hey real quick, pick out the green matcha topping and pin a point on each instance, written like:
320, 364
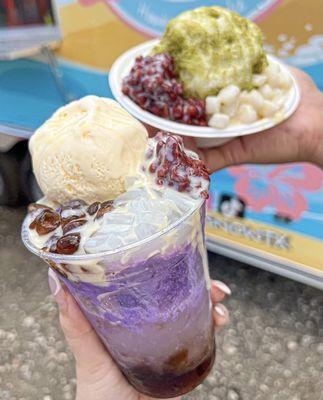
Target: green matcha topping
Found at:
213, 47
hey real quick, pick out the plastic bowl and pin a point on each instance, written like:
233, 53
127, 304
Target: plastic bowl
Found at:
205, 136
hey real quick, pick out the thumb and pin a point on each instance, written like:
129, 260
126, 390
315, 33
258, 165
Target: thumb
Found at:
86, 346
233, 152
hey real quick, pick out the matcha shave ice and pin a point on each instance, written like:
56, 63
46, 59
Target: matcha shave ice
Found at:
213, 47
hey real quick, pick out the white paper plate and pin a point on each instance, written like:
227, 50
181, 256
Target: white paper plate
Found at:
205, 136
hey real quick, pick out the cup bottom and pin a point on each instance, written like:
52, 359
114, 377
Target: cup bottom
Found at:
171, 382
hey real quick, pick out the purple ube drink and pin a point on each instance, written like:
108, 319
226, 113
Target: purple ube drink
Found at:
131, 247
150, 306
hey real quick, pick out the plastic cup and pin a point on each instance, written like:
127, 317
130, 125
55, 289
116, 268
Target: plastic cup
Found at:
149, 303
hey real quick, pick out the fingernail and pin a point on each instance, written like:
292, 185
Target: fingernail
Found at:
57, 290
223, 287
221, 310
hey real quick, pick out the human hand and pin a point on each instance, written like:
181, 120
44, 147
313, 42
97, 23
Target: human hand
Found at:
98, 377
299, 138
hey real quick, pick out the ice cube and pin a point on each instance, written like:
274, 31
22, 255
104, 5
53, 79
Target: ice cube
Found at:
123, 218
103, 242
116, 228
130, 195
130, 237
142, 204
145, 230
151, 217
180, 201
114, 241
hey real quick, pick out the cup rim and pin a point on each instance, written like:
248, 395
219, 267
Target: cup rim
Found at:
91, 256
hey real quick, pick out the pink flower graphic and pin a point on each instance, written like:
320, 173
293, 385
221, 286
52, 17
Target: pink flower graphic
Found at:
282, 187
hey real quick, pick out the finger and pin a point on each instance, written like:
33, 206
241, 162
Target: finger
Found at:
275, 145
218, 291
220, 316
79, 333
259, 148
231, 153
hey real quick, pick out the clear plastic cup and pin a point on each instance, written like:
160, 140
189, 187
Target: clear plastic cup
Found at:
149, 302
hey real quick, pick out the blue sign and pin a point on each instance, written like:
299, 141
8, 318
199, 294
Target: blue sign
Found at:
151, 17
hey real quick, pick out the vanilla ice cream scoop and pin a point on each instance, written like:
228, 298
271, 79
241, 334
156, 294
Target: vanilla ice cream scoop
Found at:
86, 150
